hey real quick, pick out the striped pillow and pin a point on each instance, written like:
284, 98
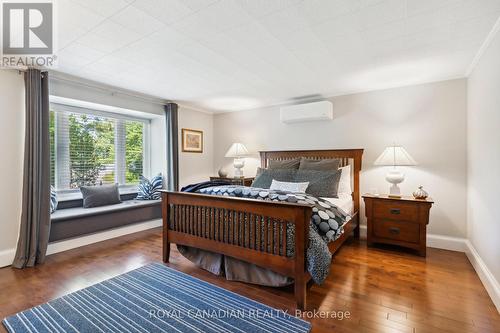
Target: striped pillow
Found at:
53, 199
150, 189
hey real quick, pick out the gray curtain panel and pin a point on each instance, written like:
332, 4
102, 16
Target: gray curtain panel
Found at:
35, 216
171, 117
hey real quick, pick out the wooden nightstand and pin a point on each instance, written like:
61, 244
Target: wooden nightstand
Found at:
243, 181
399, 221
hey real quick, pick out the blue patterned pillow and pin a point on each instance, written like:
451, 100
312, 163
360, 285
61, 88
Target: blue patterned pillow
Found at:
150, 189
53, 199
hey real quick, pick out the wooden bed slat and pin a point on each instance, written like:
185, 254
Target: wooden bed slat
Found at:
283, 238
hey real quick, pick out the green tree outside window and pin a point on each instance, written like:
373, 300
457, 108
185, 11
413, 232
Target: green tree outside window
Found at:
92, 150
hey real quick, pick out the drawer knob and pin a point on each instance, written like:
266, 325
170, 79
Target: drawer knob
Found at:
395, 211
394, 231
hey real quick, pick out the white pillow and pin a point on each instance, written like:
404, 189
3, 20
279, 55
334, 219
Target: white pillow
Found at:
290, 187
345, 181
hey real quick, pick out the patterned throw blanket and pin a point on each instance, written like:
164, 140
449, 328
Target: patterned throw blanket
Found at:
326, 225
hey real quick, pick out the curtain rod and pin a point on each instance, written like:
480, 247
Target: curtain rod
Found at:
22, 71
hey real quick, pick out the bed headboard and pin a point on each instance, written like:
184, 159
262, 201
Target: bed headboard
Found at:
347, 157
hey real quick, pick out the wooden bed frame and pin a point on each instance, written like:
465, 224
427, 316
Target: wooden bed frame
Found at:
232, 226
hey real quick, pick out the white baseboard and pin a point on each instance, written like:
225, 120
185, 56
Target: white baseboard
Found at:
7, 257
362, 231
490, 283
436, 241
100, 236
446, 242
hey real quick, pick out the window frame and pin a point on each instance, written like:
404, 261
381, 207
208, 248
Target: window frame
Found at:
69, 194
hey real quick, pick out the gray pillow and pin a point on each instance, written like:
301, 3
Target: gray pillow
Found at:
284, 164
103, 195
331, 164
259, 171
265, 177
321, 183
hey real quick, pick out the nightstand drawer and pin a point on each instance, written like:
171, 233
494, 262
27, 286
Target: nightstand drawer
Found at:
397, 230
386, 209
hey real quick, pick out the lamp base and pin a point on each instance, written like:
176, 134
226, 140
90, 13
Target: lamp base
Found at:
238, 173
394, 191
395, 177
238, 164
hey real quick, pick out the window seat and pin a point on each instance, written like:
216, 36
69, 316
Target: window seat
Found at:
78, 221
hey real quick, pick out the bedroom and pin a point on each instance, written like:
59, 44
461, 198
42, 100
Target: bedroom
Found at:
201, 91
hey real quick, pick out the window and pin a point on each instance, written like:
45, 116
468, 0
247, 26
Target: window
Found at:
92, 147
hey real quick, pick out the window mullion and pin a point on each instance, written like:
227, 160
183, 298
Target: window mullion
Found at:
146, 148
63, 177
120, 143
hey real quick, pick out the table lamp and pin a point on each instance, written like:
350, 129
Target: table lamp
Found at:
395, 156
237, 151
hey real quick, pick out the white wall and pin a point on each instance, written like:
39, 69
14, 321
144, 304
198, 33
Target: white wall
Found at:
428, 120
193, 167
196, 167
12, 148
483, 147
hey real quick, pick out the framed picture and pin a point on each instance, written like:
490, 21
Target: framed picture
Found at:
192, 141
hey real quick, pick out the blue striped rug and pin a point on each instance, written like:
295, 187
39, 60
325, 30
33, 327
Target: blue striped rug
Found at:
154, 298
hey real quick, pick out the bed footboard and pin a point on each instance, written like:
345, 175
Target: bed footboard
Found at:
250, 230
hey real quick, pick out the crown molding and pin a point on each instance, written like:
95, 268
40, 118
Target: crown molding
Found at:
483, 48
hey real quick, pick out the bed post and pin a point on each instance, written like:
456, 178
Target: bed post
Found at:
356, 232
301, 244
263, 159
358, 156
165, 207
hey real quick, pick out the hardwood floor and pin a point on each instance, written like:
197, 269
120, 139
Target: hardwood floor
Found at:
384, 290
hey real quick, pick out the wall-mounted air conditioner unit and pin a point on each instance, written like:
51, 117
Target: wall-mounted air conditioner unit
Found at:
315, 111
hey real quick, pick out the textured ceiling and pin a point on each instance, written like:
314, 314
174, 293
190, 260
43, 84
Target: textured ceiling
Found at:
226, 55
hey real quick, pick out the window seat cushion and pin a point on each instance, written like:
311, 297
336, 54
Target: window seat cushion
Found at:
78, 212
78, 221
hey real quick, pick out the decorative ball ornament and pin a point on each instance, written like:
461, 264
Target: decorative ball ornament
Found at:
222, 173
420, 193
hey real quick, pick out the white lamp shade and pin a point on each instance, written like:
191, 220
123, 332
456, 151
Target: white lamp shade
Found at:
395, 156
237, 150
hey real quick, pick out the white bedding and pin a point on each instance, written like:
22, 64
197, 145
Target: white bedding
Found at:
344, 202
